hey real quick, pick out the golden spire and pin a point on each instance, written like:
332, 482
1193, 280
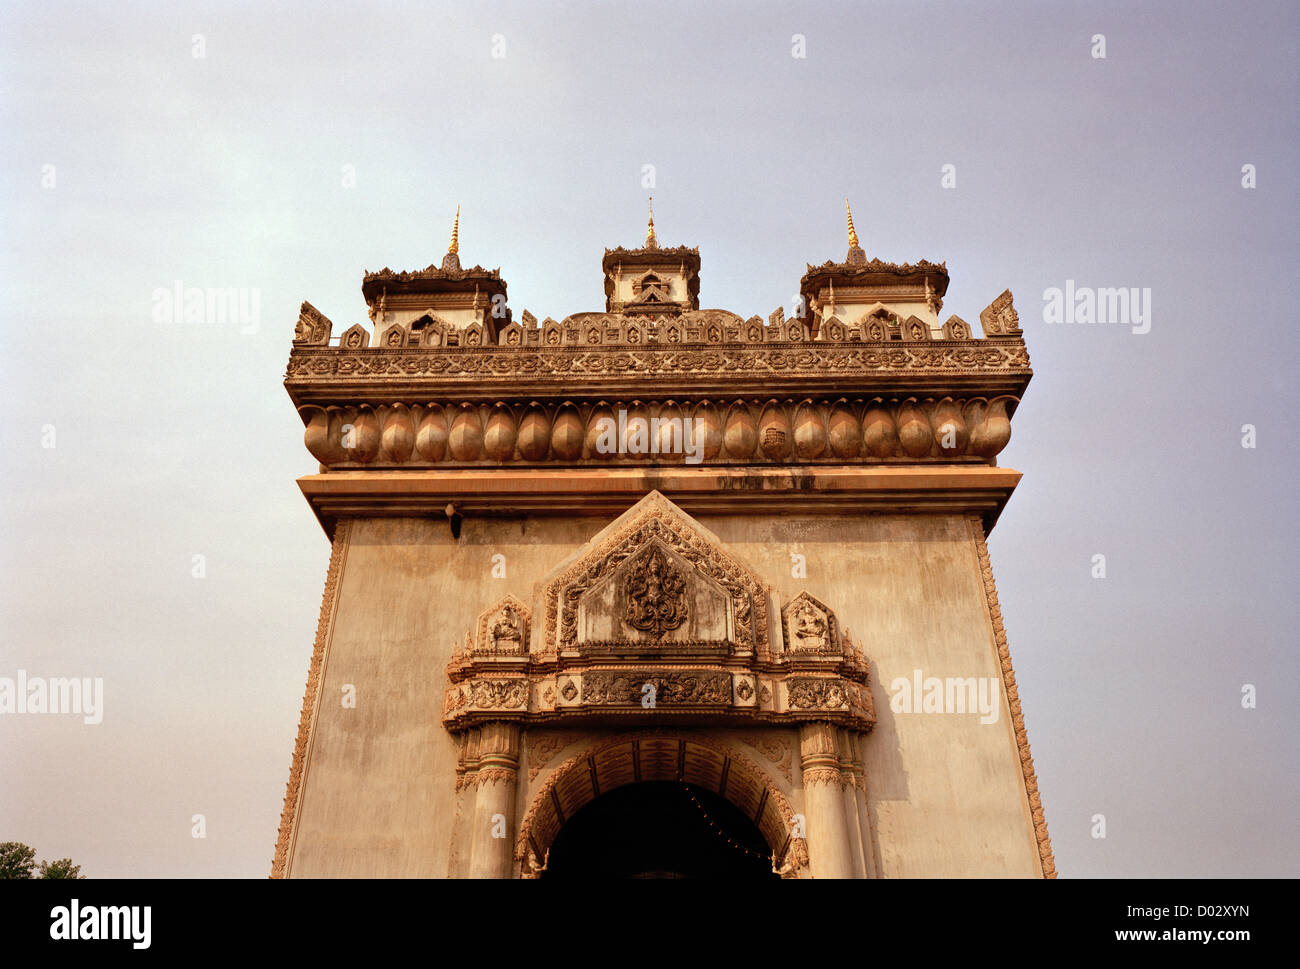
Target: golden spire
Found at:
455, 234
650, 241
853, 233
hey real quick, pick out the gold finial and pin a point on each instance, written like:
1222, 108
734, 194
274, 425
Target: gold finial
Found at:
853, 233
455, 234
650, 241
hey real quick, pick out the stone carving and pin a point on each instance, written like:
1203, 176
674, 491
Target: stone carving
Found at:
535, 867
774, 748
956, 329
355, 337
313, 328
670, 688
543, 745
808, 693
394, 337
932, 300
877, 266
999, 318
812, 360
503, 629
655, 591
810, 629
656, 522
664, 564
507, 632
509, 694
809, 626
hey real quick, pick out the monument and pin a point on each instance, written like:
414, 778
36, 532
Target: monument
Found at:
660, 591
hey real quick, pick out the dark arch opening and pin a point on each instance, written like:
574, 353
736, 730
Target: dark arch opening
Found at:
659, 829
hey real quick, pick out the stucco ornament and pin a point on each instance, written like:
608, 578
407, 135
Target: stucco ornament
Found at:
655, 591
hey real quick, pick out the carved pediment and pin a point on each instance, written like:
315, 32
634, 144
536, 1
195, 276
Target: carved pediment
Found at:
503, 629
808, 626
723, 600
654, 618
999, 318
394, 337
655, 599
355, 337
313, 327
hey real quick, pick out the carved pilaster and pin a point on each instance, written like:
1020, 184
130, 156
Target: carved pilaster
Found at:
828, 837
492, 834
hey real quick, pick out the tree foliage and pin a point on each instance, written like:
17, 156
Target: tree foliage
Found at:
17, 860
63, 868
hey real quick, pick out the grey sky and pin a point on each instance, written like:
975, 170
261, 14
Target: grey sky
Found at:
173, 440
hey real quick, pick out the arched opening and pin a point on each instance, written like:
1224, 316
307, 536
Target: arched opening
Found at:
659, 829
657, 775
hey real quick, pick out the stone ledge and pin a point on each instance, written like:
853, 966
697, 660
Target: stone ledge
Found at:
944, 489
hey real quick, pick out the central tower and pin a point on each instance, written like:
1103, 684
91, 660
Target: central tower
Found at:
730, 567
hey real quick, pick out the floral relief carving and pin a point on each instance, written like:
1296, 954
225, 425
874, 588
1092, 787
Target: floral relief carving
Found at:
774, 748
808, 693
668, 688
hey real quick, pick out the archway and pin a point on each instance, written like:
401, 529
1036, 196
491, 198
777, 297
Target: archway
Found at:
725, 790
659, 829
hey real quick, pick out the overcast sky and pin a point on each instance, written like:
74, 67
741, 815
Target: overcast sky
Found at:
130, 163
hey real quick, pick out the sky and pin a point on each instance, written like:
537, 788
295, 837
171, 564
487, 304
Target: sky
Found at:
281, 151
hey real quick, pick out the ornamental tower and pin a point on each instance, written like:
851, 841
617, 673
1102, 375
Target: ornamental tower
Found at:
660, 591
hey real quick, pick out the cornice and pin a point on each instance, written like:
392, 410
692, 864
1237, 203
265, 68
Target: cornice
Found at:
606, 492
327, 374
875, 268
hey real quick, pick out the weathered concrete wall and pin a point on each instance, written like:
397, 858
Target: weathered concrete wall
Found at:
945, 794
945, 791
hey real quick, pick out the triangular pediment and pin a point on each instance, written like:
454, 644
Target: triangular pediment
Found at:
654, 579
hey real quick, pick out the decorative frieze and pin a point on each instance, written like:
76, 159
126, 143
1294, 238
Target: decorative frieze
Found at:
655, 687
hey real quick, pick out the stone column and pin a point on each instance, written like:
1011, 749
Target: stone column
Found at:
850, 770
492, 832
829, 851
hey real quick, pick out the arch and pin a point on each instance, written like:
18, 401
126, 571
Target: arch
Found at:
608, 763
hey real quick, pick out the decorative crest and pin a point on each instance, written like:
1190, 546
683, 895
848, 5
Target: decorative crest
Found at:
455, 234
